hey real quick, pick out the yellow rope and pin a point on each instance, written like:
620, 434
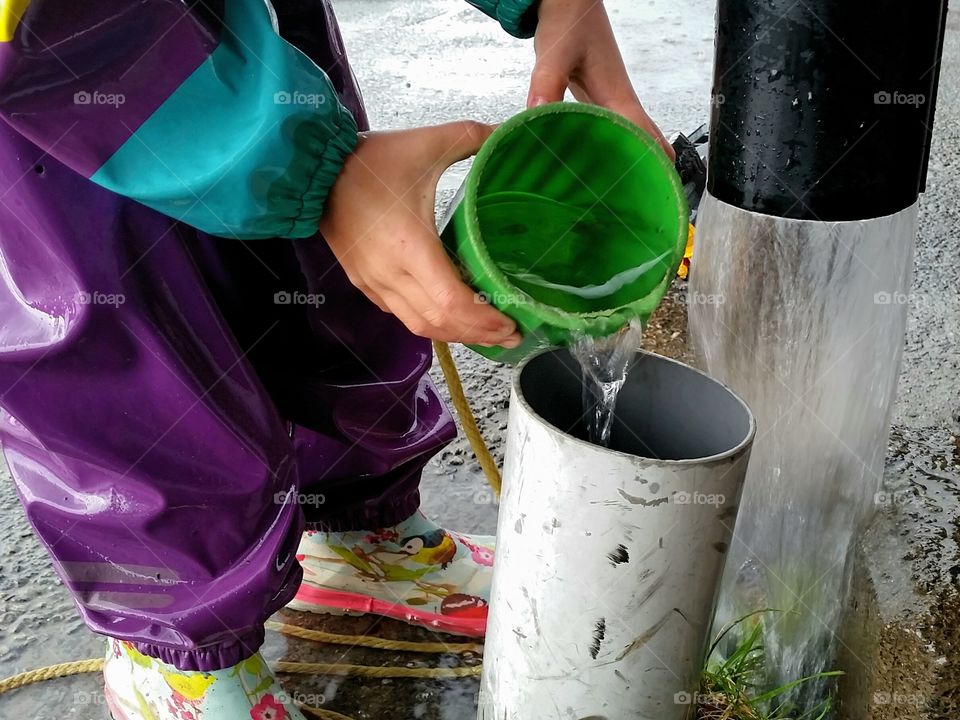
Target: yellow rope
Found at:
374, 642
492, 472
80, 667
66, 669
467, 419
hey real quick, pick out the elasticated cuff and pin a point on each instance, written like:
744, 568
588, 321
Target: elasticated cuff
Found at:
517, 17
208, 659
306, 185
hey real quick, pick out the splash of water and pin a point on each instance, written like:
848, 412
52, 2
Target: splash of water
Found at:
605, 363
805, 320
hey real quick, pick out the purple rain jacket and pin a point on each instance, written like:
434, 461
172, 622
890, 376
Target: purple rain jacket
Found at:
186, 375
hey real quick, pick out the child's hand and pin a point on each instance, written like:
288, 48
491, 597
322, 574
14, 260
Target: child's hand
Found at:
379, 221
576, 49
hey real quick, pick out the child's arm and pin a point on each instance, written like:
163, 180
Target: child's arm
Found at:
380, 223
229, 129
576, 49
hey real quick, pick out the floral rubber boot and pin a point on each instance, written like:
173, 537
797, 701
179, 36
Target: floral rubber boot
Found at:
414, 571
139, 687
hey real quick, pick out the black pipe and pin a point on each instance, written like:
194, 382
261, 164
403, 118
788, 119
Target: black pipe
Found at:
823, 109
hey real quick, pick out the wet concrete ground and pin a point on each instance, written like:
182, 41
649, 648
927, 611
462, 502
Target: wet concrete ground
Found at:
428, 61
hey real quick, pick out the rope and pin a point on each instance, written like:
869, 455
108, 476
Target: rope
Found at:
80, 667
492, 472
374, 642
467, 419
52, 672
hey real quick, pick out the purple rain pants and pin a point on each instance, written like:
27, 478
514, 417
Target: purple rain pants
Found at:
170, 439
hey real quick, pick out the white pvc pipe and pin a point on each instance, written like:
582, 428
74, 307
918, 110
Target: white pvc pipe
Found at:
607, 562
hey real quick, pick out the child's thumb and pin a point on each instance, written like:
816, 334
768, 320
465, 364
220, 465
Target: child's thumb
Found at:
459, 140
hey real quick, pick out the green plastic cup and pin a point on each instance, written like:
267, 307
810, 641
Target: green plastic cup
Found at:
572, 221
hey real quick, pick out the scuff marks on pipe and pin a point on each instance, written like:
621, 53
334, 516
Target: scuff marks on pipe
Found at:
639, 601
598, 634
634, 500
646, 637
533, 609
618, 555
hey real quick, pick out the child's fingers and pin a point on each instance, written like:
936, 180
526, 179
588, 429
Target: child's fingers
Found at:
447, 323
414, 309
633, 110
548, 83
454, 304
399, 304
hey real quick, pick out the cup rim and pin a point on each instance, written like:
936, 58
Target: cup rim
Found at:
614, 317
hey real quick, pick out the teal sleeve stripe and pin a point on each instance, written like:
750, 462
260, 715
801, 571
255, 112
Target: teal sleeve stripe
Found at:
518, 17
248, 146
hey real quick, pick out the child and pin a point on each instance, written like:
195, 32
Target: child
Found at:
190, 372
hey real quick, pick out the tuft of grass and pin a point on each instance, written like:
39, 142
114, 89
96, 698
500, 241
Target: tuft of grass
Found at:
734, 688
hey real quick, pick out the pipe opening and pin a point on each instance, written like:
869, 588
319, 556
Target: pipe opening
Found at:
665, 411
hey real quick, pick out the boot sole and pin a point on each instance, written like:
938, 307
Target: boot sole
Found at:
333, 602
